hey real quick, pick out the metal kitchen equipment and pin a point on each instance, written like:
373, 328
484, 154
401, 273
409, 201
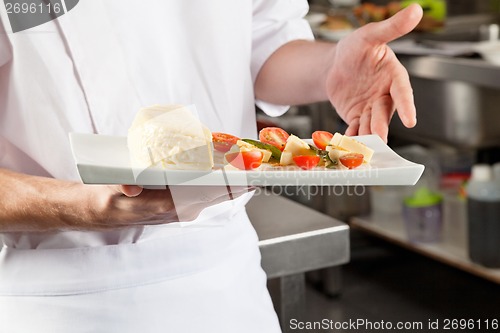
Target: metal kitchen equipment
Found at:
457, 98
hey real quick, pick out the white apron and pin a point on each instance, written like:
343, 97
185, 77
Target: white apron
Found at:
90, 71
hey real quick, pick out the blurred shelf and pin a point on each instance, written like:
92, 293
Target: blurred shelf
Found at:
392, 229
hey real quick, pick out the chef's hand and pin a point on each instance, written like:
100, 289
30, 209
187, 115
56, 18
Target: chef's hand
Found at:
360, 75
40, 204
127, 205
367, 83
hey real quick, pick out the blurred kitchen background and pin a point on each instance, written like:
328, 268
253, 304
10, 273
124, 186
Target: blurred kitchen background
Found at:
432, 250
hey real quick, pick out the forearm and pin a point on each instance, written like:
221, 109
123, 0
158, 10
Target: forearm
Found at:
29, 203
296, 73
39, 204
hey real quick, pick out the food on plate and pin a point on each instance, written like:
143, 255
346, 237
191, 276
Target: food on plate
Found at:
275, 152
296, 146
274, 136
351, 160
315, 19
245, 160
171, 137
243, 145
345, 20
393, 7
306, 162
369, 12
223, 142
321, 139
434, 12
329, 151
343, 144
337, 23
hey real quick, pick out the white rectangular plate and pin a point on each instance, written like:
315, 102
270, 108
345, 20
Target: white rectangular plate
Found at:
103, 159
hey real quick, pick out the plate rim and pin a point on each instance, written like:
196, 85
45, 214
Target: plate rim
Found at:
311, 177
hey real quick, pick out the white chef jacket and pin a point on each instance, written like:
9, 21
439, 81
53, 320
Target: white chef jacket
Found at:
90, 71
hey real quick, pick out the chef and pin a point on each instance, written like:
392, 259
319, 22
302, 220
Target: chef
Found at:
82, 258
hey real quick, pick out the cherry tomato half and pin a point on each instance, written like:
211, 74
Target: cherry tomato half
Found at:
352, 160
223, 142
274, 136
321, 139
306, 162
245, 160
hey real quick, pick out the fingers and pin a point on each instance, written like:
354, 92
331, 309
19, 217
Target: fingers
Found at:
374, 119
132, 205
365, 123
398, 25
353, 127
402, 95
130, 190
200, 198
383, 110
122, 206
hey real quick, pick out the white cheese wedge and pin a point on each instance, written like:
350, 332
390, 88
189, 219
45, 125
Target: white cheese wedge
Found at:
296, 146
335, 141
169, 136
286, 158
351, 145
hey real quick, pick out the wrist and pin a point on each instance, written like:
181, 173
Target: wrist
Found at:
74, 206
329, 67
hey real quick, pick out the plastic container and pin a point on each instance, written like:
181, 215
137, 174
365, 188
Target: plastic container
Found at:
455, 220
387, 201
422, 214
483, 215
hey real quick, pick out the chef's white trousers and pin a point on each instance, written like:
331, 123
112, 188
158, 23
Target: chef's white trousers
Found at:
162, 285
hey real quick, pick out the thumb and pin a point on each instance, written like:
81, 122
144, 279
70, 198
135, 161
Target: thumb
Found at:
394, 27
130, 190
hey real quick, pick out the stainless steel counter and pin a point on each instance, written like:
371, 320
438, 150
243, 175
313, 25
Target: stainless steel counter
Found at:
294, 238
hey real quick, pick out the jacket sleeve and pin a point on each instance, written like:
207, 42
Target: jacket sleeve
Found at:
275, 23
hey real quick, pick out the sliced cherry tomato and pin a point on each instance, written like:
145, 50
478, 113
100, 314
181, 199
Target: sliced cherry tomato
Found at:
352, 160
321, 139
223, 142
306, 162
274, 136
245, 160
